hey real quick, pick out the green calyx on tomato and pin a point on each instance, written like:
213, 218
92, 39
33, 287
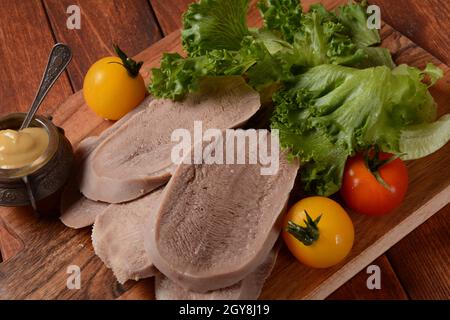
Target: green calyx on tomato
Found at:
336, 232
307, 235
132, 66
374, 163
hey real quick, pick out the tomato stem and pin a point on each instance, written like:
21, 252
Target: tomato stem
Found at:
374, 164
308, 234
132, 66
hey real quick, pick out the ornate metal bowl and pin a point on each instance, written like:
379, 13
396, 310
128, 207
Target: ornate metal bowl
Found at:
45, 176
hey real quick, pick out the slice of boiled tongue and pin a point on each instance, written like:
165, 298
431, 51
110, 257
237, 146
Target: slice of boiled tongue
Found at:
247, 289
136, 159
117, 237
217, 222
76, 210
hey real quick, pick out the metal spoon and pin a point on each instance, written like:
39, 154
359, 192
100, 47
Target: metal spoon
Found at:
58, 60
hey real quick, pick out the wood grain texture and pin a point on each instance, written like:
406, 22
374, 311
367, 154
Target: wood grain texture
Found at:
22, 63
425, 21
425, 278
23, 59
169, 13
142, 290
10, 243
356, 288
39, 271
130, 24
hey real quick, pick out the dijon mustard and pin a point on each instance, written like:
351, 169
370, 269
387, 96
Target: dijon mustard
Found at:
21, 148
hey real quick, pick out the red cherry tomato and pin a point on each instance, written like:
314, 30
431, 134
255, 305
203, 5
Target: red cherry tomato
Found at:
367, 194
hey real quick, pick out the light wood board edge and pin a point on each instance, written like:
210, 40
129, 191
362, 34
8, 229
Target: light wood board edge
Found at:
389, 239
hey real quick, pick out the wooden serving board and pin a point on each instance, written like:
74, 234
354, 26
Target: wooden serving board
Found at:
37, 253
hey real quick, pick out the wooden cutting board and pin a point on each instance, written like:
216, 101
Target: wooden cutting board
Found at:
39, 252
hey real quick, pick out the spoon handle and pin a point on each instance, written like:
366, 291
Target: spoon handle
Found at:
58, 60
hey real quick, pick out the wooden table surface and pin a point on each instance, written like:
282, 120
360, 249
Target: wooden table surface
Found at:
418, 267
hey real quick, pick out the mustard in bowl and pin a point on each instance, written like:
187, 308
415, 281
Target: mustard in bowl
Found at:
35, 163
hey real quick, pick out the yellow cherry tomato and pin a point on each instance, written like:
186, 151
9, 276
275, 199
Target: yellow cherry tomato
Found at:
326, 240
110, 91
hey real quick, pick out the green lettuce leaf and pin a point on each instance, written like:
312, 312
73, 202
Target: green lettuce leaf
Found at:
331, 112
420, 140
282, 16
324, 40
376, 56
354, 17
328, 38
214, 25
178, 76
218, 42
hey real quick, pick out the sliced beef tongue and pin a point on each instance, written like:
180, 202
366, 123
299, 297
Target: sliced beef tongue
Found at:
217, 222
247, 289
90, 143
77, 211
136, 158
118, 237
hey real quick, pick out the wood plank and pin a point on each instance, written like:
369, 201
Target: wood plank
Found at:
23, 61
39, 271
401, 252
356, 288
422, 259
10, 243
424, 21
129, 23
169, 13
142, 290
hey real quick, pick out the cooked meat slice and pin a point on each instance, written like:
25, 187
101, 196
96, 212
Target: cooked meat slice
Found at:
217, 222
247, 289
86, 146
117, 237
136, 158
76, 210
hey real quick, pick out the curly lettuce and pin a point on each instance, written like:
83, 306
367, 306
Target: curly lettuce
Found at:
178, 76
331, 112
282, 16
218, 42
212, 24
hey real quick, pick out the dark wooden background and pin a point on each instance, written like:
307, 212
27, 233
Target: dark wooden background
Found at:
418, 267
